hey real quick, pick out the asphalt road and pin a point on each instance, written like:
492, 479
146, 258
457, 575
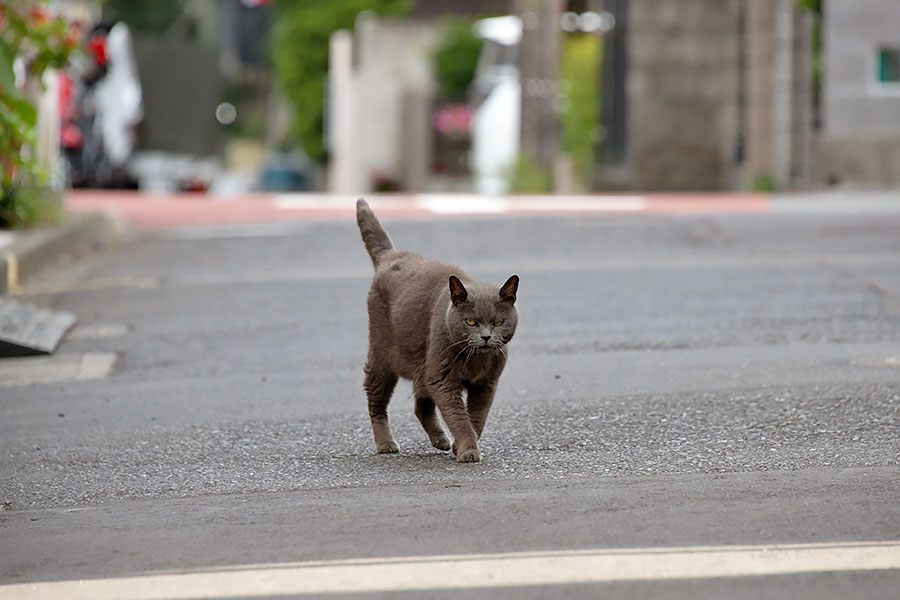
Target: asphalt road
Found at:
675, 382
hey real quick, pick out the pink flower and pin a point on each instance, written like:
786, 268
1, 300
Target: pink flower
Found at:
453, 119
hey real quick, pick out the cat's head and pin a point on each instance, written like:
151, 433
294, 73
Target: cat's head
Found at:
482, 316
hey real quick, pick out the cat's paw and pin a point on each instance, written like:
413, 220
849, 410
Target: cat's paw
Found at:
469, 456
388, 447
441, 442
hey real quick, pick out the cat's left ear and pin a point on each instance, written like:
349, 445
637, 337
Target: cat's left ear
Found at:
508, 291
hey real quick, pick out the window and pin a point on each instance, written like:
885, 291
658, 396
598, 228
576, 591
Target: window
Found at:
888, 65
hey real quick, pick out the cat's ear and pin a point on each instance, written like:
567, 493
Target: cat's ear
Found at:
508, 291
458, 293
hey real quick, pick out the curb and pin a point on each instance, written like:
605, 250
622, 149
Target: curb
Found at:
34, 250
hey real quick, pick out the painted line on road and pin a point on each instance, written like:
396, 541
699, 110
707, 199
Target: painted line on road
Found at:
56, 368
12, 270
471, 571
468, 204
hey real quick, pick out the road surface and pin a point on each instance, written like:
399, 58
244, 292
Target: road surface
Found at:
696, 404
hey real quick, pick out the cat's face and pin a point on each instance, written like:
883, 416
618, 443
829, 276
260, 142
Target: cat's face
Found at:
482, 318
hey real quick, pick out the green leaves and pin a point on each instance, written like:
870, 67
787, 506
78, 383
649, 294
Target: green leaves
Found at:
579, 68
7, 77
456, 58
42, 43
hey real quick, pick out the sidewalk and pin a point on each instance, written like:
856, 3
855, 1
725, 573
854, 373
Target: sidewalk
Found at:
23, 253
147, 212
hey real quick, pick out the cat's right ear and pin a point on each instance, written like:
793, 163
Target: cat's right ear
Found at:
458, 293
508, 291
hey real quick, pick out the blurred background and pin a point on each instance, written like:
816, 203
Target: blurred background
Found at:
475, 96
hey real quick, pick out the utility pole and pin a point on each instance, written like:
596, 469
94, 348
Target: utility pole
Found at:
539, 73
614, 107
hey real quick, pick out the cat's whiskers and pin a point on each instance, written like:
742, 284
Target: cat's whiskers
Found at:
464, 349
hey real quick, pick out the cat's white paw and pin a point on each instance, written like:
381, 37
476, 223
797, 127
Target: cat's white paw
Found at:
388, 447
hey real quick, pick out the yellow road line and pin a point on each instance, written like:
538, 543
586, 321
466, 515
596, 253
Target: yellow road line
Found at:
12, 270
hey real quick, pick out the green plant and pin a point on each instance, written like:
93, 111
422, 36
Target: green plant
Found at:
29, 205
580, 64
41, 42
528, 177
299, 46
814, 8
156, 16
764, 184
456, 58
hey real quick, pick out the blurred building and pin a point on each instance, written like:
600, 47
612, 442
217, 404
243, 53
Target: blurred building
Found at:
206, 81
735, 94
705, 94
379, 115
382, 91
858, 142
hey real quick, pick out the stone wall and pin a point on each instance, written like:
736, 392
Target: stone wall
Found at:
395, 87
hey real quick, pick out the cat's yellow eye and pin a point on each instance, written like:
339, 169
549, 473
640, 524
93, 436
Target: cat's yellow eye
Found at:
498, 322
471, 322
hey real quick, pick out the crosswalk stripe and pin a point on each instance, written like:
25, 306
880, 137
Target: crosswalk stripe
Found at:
475, 571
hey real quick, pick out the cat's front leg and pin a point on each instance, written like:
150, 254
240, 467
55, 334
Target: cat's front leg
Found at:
478, 404
465, 440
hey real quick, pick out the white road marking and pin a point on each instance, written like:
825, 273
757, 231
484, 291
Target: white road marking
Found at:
56, 368
475, 571
582, 203
91, 285
96, 331
463, 204
315, 202
469, 204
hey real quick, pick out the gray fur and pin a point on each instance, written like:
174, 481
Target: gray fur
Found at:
418, 330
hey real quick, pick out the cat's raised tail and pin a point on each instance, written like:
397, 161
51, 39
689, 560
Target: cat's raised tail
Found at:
374, 236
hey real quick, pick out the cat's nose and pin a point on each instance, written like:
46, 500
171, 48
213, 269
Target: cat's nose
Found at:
486, 338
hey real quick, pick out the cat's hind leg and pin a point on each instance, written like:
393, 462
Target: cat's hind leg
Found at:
379, 385
428, 417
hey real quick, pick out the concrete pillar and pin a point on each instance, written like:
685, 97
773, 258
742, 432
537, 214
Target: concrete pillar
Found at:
415, 143
792, 94
539, 71
779, 104
760, 23
344, 175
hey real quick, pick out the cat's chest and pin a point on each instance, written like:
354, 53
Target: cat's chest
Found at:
479, 368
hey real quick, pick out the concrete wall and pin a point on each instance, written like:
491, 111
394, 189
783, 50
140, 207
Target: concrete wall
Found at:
682, 93
395, 86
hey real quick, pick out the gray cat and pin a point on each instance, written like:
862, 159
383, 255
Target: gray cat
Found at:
433, 325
